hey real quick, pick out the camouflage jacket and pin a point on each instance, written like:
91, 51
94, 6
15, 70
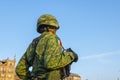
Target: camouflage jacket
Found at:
46, 58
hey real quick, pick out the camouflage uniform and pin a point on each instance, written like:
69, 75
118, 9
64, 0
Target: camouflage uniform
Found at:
46, 58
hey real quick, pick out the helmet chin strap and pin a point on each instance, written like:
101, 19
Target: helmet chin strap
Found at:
47, 28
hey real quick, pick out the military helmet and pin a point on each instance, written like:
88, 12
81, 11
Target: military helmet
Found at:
47, 19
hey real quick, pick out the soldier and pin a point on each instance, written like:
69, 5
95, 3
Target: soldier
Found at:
45, 54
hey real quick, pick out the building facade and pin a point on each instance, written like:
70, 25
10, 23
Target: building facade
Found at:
73, 77
7, 69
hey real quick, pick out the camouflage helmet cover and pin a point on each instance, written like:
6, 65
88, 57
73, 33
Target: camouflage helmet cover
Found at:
47, 19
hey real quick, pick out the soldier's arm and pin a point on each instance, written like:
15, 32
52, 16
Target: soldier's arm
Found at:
54, 58
22, 68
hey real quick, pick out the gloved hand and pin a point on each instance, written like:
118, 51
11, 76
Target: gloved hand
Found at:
75, 55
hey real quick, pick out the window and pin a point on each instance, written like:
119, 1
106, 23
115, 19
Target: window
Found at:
2, 75
9, 76
10, 64
1, 69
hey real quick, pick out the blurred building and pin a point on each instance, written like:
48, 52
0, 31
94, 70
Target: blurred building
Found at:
7, 69
73, 77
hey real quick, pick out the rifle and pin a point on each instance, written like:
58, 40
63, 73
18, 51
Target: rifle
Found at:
65, 72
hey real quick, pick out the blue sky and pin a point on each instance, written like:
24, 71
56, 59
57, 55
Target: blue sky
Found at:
90, 27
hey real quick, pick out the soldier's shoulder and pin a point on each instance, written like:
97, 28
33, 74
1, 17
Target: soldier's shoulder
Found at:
36, 39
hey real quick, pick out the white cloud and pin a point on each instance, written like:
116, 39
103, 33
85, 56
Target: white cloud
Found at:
100, 56
103, 58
